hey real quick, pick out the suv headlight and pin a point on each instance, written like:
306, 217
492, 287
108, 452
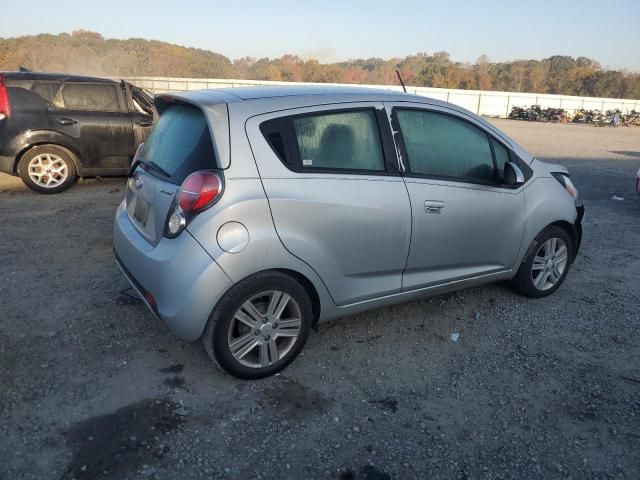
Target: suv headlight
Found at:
566, 182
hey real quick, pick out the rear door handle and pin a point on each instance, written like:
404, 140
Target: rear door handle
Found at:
66, 121
145, 123
433, 206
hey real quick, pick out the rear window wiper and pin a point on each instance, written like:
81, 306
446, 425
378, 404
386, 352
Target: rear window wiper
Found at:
150, 165
156, 167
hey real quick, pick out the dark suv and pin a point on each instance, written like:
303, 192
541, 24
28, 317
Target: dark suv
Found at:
55, 128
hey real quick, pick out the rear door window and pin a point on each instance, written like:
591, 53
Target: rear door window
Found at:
46, 90
92, 97
180, 143
343, 141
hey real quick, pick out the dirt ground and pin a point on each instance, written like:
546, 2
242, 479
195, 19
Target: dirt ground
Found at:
93, 387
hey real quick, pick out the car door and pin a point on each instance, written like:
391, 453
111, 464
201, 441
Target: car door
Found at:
95, 114
466, 224
141, 109
337, 199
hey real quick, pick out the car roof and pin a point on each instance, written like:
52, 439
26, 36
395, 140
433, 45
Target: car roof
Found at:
290, 96
263, 92
53, 77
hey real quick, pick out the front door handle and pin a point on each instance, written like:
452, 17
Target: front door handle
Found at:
66, 121
433, 206
145, 123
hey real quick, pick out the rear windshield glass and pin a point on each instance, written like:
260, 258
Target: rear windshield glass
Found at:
180, 143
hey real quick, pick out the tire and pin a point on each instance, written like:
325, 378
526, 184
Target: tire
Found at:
528, 280
264, 291
48, 169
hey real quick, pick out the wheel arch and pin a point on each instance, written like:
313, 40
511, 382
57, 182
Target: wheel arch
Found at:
309, 287
40, 139
573, 233
316, 305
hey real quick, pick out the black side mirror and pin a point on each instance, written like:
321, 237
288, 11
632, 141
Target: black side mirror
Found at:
512, 174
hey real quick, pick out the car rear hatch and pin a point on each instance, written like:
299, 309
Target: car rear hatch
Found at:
185, 139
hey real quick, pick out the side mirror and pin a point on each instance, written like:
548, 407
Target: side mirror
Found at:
512, 174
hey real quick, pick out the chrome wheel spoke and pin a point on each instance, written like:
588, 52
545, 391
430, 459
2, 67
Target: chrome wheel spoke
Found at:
264, 355
243, 345
541, 280
274, 354
251, 313
289, 328
538, 263
243, 317
277, 304
555, 274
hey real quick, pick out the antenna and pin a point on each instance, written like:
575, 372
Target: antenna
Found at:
401, 81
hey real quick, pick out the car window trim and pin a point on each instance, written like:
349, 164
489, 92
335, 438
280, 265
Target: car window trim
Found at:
119, 93
408, 173
292, 147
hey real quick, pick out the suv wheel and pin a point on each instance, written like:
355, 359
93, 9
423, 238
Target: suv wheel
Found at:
546, 263
47, 169
259, 326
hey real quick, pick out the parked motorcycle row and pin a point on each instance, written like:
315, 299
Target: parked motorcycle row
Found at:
613, 118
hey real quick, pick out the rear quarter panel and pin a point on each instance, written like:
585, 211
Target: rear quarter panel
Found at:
244, 201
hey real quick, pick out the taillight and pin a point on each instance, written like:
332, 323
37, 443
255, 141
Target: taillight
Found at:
5, 106
198, 192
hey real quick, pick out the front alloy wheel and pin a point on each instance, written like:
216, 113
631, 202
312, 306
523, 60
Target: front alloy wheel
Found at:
549, 263
546, 264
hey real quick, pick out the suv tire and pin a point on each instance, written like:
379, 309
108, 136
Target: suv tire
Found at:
251, 344
48, 164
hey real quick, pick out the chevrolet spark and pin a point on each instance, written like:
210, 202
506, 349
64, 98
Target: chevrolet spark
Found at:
252, 214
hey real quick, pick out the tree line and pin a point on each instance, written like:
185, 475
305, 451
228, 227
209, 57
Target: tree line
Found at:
89, 53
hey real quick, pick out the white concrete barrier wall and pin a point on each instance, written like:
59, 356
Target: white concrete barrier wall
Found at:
491, 104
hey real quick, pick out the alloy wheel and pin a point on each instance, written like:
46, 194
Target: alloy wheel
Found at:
48, 170
549, 263
264, 329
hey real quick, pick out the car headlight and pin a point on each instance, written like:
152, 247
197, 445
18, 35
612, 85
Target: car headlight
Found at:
566, 182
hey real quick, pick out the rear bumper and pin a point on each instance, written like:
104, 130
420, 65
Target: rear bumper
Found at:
6, 164
185, 282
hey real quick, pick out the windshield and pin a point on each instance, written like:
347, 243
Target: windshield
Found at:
180, 143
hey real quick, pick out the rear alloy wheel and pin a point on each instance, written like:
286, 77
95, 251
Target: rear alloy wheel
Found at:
546, 264
260, 326
47, 169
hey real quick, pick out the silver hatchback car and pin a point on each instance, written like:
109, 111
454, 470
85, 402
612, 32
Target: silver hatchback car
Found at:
251, 214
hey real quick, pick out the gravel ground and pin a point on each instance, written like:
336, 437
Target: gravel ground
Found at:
92, 387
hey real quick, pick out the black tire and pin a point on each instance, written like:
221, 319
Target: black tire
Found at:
523, 281
60, 153
215, 336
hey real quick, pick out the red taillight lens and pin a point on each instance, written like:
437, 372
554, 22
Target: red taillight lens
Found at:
199, 191
5, 106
